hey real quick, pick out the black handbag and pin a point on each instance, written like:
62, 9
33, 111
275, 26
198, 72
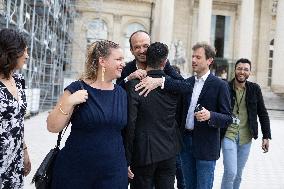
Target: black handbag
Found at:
43, 175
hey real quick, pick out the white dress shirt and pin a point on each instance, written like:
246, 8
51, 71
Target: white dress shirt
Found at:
198, 85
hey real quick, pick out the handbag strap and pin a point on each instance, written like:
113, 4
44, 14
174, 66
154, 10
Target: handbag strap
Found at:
61, 133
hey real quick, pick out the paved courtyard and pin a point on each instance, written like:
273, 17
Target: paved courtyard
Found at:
263, 171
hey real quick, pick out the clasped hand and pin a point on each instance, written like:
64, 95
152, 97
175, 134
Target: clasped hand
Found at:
78, 97
148, 84
138, 74
202, 115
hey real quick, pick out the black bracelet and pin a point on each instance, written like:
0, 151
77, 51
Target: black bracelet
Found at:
25, 148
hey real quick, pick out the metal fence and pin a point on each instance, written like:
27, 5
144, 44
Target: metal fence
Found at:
46, 25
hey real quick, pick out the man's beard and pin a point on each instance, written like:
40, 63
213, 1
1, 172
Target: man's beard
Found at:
241, 81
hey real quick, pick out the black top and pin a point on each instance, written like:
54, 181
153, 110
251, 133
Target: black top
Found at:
152, 133
255, 107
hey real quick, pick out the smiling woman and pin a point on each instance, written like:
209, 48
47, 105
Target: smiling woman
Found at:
104, 63
14, 158
93, 154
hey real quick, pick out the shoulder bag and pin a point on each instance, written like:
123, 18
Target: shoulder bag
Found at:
43, 176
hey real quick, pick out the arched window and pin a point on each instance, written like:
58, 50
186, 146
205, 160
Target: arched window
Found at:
97, 30
270, 61
130, 29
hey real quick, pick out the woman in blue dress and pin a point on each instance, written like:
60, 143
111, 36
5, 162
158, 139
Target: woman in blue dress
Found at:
93, 156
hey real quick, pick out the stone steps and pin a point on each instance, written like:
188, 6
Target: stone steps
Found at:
276, 114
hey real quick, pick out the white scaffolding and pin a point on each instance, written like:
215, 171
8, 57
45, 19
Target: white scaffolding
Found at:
47, 25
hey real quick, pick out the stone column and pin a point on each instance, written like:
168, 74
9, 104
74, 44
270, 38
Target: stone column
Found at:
204, 20
277, 84
264, 38
163, 21
116, 28
246, 29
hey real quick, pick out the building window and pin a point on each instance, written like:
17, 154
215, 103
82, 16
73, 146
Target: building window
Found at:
270, 62
220, 34
130, 29
97, 30
220, 37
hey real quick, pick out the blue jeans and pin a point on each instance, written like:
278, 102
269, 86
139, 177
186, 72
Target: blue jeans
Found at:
179, 174
235, 157
198, 174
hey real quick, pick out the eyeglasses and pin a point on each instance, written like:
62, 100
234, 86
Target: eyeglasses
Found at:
242, 69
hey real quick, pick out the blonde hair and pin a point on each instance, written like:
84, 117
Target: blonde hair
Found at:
96, 50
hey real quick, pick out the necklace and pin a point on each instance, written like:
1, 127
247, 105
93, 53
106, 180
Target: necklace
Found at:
11, 82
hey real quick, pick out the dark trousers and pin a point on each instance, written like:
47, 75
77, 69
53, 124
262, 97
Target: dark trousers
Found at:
160, 174
179, 174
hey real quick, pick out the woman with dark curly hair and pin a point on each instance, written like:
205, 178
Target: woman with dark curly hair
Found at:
14, 158
93, 156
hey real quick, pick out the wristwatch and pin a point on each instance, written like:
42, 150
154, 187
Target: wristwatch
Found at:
125, 80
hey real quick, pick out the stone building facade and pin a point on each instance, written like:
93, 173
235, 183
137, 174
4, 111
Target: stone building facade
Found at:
237, 28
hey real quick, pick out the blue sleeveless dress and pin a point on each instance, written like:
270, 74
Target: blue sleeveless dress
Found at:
94, 156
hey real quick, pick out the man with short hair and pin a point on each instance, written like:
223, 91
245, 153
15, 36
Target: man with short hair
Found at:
139, 42
205, 110
247, 103
152, 133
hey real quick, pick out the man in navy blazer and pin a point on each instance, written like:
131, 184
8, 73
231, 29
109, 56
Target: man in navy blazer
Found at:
201, 136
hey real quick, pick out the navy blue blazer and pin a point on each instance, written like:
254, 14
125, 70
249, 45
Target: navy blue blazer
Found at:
215, 97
